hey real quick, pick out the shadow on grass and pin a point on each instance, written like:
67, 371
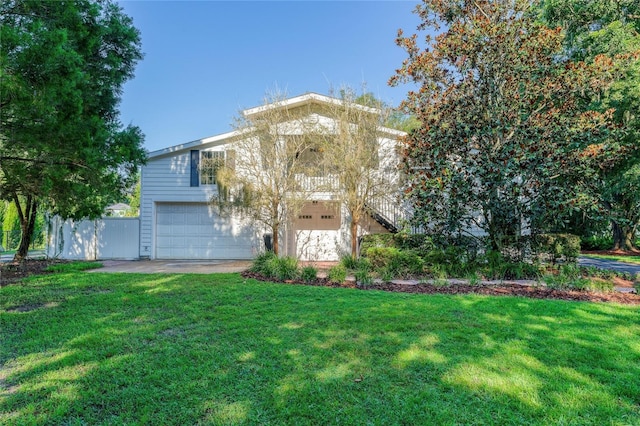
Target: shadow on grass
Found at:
185, 349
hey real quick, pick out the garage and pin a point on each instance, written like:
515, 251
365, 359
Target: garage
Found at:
195, 231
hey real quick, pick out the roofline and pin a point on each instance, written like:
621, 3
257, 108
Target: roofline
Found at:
215, 140
291, 102
303, 99
391, 131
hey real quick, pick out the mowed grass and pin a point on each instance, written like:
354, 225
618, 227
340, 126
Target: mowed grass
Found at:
94, 348
626, 259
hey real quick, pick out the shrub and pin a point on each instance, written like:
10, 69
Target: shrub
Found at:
269, 265
349, 261
390, 261
363, 276
418, 243
259, 265
379, 257
596, 242
468, 248
570, 277
452, 258
337, 274
473, 278
385, 274
286, 268
439, 272
309, 274
571, 271
592, 271
500, 268
559, 282
600, 286
557, 246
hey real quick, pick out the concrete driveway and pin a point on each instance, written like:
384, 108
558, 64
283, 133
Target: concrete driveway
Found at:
612, 265
174, 266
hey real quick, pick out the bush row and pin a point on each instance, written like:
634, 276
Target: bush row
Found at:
396, 256
286, 268
546, 247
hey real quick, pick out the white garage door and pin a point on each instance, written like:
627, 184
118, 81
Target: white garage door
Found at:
193, 231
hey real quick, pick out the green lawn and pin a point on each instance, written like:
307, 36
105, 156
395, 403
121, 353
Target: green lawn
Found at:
627, 259
95, 348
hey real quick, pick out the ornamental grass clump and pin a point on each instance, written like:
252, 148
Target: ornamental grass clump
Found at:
269, 265
286, 268
261, 264
337, 274
309, 274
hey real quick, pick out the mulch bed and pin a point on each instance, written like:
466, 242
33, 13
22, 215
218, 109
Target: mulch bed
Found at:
10, 273
498, 289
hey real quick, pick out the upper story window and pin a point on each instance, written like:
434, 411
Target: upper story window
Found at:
210, 162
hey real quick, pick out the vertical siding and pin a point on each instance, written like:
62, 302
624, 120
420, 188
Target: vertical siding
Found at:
106, 238
118, 238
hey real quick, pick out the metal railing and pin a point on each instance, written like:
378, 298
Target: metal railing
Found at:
389, 212
330, 183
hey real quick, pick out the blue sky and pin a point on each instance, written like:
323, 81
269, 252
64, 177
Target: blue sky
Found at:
207, 60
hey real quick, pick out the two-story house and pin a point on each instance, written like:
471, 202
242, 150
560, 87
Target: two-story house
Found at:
178, 221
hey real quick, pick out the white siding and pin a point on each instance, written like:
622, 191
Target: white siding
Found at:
101, 239
166, 179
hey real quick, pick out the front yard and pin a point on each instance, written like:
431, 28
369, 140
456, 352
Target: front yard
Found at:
79, 348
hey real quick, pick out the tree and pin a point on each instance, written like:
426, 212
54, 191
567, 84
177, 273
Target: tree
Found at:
612, 28
133, 198
262, 175
354, 152
508, 132
62, 69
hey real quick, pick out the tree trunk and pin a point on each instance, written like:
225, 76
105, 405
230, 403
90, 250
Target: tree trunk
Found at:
27, 217
276, 243
354, 238
623, 237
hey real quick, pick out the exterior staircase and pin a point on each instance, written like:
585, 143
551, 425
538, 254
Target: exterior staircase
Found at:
389, 213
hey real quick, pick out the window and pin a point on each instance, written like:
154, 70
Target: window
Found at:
210, 162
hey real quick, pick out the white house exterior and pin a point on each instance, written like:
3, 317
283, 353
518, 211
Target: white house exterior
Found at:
178, 222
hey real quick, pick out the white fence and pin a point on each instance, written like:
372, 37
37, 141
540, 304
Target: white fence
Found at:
100, 239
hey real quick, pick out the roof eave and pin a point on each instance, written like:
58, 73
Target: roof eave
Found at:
212, 141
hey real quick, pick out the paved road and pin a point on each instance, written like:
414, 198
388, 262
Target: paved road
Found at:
632, 268
33, 254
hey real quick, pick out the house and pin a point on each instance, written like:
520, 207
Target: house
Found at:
178, 221
117, 210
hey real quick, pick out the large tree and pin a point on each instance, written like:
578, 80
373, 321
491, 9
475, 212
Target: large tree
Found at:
508, 130
596, 27
361, 153
62, 69
262, 176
